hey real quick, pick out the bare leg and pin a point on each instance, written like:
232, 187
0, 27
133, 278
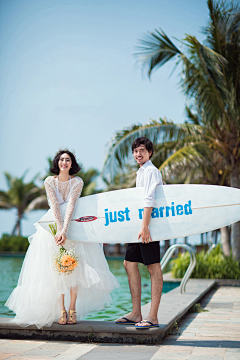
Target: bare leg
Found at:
156, 291
63, 318
73, 294
134, 280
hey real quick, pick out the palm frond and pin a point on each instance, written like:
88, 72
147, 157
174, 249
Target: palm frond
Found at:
8, 178
89, 189
39, 203
192, 118
155, 50
160, 131
182, 157
204, 78
4, 200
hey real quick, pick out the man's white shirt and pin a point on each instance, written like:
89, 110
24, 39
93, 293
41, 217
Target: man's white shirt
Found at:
149, 177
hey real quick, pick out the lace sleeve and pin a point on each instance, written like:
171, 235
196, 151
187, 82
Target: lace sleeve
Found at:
53, 202
75, 193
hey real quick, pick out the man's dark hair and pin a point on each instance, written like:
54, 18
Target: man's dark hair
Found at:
75, 166
143, 141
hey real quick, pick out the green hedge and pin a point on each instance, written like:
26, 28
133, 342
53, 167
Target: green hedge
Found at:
213, 265
11, 243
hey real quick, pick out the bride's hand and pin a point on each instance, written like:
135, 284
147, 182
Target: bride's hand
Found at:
63, 239
60, 239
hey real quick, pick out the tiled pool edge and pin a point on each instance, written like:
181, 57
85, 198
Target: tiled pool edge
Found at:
173, 307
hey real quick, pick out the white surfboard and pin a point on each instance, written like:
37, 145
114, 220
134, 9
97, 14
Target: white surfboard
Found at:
181, 210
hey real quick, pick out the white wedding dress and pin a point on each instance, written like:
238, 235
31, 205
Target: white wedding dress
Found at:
35, 300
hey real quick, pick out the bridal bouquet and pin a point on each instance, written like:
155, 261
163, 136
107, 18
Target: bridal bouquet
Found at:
64, 261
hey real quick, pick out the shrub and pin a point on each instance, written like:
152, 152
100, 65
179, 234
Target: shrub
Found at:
213, 265
13, 243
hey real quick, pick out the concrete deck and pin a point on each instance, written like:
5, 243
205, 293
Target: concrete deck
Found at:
172, 308
211, 335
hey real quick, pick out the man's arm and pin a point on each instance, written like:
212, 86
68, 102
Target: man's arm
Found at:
151, 181
145, 233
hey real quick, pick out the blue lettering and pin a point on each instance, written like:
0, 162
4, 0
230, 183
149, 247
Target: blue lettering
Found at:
187, 208
172, 208
127, 214
167, 211
120, 216
140, 213
155, 213
161, 211
115, 217
179, 209
106, 217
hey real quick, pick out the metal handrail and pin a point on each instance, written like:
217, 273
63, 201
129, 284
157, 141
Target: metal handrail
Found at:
211, 248
190, 268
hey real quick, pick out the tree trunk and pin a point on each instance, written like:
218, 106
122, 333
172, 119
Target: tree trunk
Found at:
118, 249
225, 238
214, 236
14, 229
17, 228
166, 245
234, 180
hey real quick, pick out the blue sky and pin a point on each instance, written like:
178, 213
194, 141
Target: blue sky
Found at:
69, 77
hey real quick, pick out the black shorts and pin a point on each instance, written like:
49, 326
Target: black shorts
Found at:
146, 254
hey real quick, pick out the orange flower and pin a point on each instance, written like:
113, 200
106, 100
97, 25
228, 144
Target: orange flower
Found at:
66, 260
71, 267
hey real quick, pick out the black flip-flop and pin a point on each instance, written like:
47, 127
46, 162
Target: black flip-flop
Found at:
151, 325
127, 322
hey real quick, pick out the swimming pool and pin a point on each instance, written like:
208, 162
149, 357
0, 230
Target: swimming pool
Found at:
10, 269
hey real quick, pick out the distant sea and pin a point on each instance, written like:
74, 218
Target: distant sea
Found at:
8, 218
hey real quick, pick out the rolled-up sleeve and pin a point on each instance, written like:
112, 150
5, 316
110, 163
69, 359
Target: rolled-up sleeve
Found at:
152, 179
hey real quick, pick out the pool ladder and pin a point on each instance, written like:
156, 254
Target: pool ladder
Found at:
190, 268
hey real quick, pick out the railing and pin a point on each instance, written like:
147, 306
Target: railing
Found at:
211, 248
190, 268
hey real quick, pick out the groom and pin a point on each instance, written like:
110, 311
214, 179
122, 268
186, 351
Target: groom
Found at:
146, 252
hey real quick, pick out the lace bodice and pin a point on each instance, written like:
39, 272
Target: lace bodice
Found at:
59, 192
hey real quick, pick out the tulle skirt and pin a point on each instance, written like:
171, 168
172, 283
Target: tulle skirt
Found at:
35, 300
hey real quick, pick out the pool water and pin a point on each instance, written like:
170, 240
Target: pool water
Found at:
10, 268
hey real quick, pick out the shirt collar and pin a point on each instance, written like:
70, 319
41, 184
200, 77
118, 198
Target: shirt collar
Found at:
145, 165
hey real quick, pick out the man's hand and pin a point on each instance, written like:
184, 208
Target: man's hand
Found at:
145, 233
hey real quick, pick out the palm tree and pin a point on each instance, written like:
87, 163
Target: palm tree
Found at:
125, 178
211, 77
189, 157
19, 196
89, 179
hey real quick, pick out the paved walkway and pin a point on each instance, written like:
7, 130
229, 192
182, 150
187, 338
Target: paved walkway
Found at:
211, 335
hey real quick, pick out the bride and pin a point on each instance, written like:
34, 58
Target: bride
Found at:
42, 294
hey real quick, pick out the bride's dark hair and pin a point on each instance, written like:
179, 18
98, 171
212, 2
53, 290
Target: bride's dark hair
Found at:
75, 166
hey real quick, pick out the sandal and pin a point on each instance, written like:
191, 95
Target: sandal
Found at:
63, 322
70, 320
148, 325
